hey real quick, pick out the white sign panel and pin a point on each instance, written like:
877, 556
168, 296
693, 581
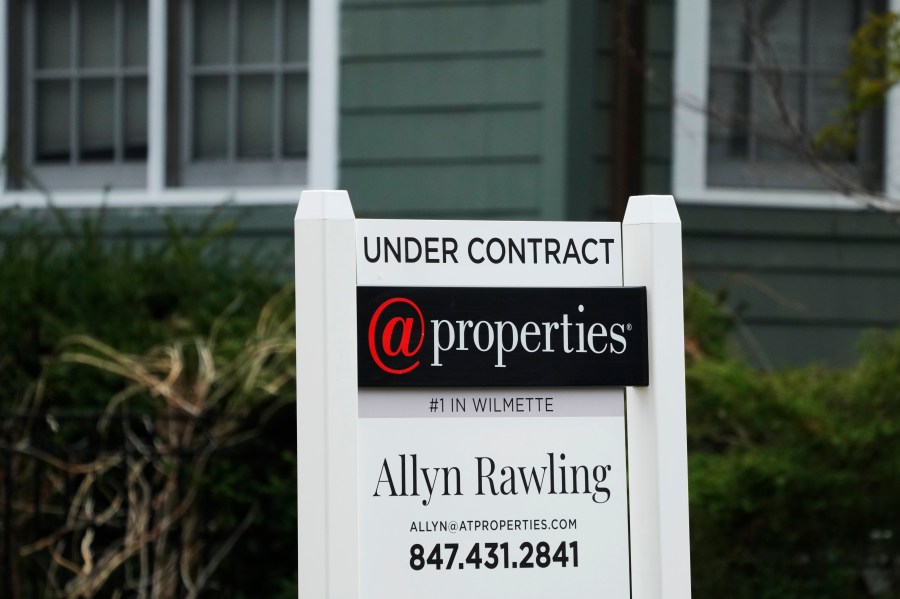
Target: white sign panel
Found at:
430, 253
493, 494
490, 491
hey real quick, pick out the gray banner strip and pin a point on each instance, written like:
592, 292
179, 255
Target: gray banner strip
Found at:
490, 403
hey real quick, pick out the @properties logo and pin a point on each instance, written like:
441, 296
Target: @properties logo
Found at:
394, 327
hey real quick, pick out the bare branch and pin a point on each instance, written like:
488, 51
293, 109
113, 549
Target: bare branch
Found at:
205, 574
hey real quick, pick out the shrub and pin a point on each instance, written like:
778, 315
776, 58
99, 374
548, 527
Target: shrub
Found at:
60, 277
218, 467
794, 476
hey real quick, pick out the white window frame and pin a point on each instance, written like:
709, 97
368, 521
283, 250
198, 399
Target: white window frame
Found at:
322, 160
689, 130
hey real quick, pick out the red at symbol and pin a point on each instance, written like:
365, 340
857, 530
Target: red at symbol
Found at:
406, 325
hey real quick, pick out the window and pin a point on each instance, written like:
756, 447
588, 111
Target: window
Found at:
753, 89
85, 105
202, 99
245, 89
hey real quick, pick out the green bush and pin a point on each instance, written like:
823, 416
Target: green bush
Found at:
60, 278
794, 475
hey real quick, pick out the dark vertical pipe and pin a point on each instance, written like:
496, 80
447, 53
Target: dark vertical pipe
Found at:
628, 103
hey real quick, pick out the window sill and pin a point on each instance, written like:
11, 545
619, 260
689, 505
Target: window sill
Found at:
168, 198
756, 198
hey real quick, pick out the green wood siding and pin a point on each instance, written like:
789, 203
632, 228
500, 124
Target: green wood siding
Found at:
456, 109
805, 284
505, 82
509, 135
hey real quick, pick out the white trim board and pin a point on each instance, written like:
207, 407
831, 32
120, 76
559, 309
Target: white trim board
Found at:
324, 78
170, 198
892, 134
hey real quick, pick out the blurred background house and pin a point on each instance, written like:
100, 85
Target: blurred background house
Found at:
512, 109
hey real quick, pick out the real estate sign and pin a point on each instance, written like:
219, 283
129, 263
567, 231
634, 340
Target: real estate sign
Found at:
462, 410
491, 462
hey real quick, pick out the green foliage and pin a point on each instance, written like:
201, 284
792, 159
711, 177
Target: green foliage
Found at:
873, 70
794, 476
706, 324
59, 277
112, 297
267, 482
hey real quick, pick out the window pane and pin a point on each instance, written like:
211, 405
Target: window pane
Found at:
834, 22
765, 107
135, 119
295, 116
296, 35
52, 126
255, 133
97, 120
53, 33
257, 31
726, 36
136, 33
98, 36
827, 97
728, 119
210, 117
777, 136
212, 32
780, 27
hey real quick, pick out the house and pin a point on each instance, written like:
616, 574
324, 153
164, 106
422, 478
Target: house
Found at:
495, 109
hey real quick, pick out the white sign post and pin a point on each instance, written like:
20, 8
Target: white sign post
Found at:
443, 450
657, 431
